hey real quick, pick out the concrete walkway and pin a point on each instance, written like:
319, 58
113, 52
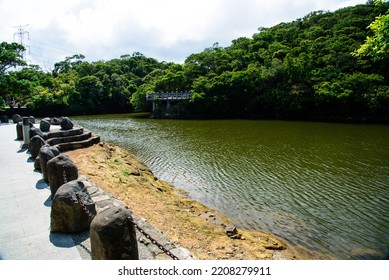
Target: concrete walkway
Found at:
25, 207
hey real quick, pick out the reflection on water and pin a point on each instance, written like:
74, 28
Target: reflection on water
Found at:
318, 185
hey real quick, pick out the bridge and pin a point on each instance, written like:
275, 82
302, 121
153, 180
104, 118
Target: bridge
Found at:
167, 96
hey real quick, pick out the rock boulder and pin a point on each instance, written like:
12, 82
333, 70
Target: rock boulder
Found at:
35, 131
35, 145
44, 125
112, 236
55, 121
60, 170
46, 153
16, 118
19, 131
73, 209
66, 123
37, 163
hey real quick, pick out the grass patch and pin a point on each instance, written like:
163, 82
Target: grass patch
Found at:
116, 162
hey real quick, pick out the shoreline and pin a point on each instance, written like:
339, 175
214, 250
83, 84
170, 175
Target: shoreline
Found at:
188, 223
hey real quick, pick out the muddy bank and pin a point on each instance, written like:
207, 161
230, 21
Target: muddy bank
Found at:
188, 223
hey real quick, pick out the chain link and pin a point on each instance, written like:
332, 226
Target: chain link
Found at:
65, 178
83, 206
155, 242
141, 230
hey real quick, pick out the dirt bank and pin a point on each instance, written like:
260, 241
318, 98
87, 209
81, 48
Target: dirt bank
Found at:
188, 223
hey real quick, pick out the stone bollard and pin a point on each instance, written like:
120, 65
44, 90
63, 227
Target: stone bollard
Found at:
60, 170
16, 118
35, 145
112, 236
44, 125
19, 131
37, 163
66, 123
46, 153
36, 131
55, 121
4, 119
73, 209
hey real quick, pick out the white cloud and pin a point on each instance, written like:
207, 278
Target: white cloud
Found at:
165, 29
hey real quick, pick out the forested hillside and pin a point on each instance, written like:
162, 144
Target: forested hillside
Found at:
305, 69
77, 87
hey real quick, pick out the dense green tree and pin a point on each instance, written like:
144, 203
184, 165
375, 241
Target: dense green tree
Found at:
69, 63
90, 90
138, 99
377, 45
11, 55
304, 69
20, 86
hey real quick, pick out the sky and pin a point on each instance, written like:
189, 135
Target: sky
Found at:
168, 30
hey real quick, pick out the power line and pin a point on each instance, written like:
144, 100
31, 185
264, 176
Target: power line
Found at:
21, 34
35, 49
41, 56
51, 46
61, 49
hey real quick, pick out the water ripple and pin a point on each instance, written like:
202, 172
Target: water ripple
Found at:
322, 186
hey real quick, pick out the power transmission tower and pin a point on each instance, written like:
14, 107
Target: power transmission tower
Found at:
22, 33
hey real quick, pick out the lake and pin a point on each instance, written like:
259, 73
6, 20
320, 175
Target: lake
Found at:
322, 186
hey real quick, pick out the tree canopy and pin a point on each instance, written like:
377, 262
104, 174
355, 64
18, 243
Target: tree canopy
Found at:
11, 55
377, 45
305, 69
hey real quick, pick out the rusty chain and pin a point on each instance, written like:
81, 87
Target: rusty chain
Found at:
155, 242
141, 230
83, 206
65, 178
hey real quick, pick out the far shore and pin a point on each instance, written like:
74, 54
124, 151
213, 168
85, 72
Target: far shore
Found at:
188, 223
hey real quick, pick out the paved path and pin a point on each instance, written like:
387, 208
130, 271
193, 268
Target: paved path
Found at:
25, 208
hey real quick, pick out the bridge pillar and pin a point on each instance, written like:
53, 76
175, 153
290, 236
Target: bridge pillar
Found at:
168, 97
167, 105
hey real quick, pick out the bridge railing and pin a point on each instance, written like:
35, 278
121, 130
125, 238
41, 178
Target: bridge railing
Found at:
168, 96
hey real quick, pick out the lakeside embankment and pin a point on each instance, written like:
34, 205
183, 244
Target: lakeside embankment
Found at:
186, 222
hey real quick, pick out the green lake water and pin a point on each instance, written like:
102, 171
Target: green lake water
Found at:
322, 186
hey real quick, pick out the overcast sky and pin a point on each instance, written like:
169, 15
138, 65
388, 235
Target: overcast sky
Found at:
168, 30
